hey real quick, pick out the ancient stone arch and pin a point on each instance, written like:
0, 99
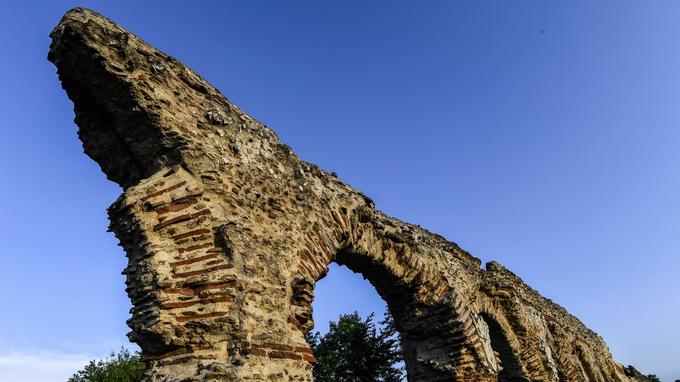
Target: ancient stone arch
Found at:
227, 231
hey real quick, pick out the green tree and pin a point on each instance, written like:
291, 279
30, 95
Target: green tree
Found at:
119, 367
355, 350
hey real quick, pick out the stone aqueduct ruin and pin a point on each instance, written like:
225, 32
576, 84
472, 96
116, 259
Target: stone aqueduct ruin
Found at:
227, 231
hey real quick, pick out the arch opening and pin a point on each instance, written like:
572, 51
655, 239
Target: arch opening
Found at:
587, 368
429, 336
510, 368
358, 313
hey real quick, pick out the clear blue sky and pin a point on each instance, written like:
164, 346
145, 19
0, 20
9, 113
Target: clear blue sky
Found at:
542, 134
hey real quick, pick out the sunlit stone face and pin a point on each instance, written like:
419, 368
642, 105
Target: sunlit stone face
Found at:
227, 232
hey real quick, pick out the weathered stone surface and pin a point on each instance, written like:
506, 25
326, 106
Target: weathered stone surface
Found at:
227, 232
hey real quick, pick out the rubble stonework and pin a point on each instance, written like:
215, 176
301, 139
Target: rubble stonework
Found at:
227, 232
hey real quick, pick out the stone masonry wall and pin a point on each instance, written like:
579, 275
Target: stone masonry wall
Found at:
227, 231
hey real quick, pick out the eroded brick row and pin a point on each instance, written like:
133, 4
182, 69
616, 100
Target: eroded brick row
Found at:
280, 351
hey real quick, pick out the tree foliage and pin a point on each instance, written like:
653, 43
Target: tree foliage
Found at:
355, 350
119, 367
